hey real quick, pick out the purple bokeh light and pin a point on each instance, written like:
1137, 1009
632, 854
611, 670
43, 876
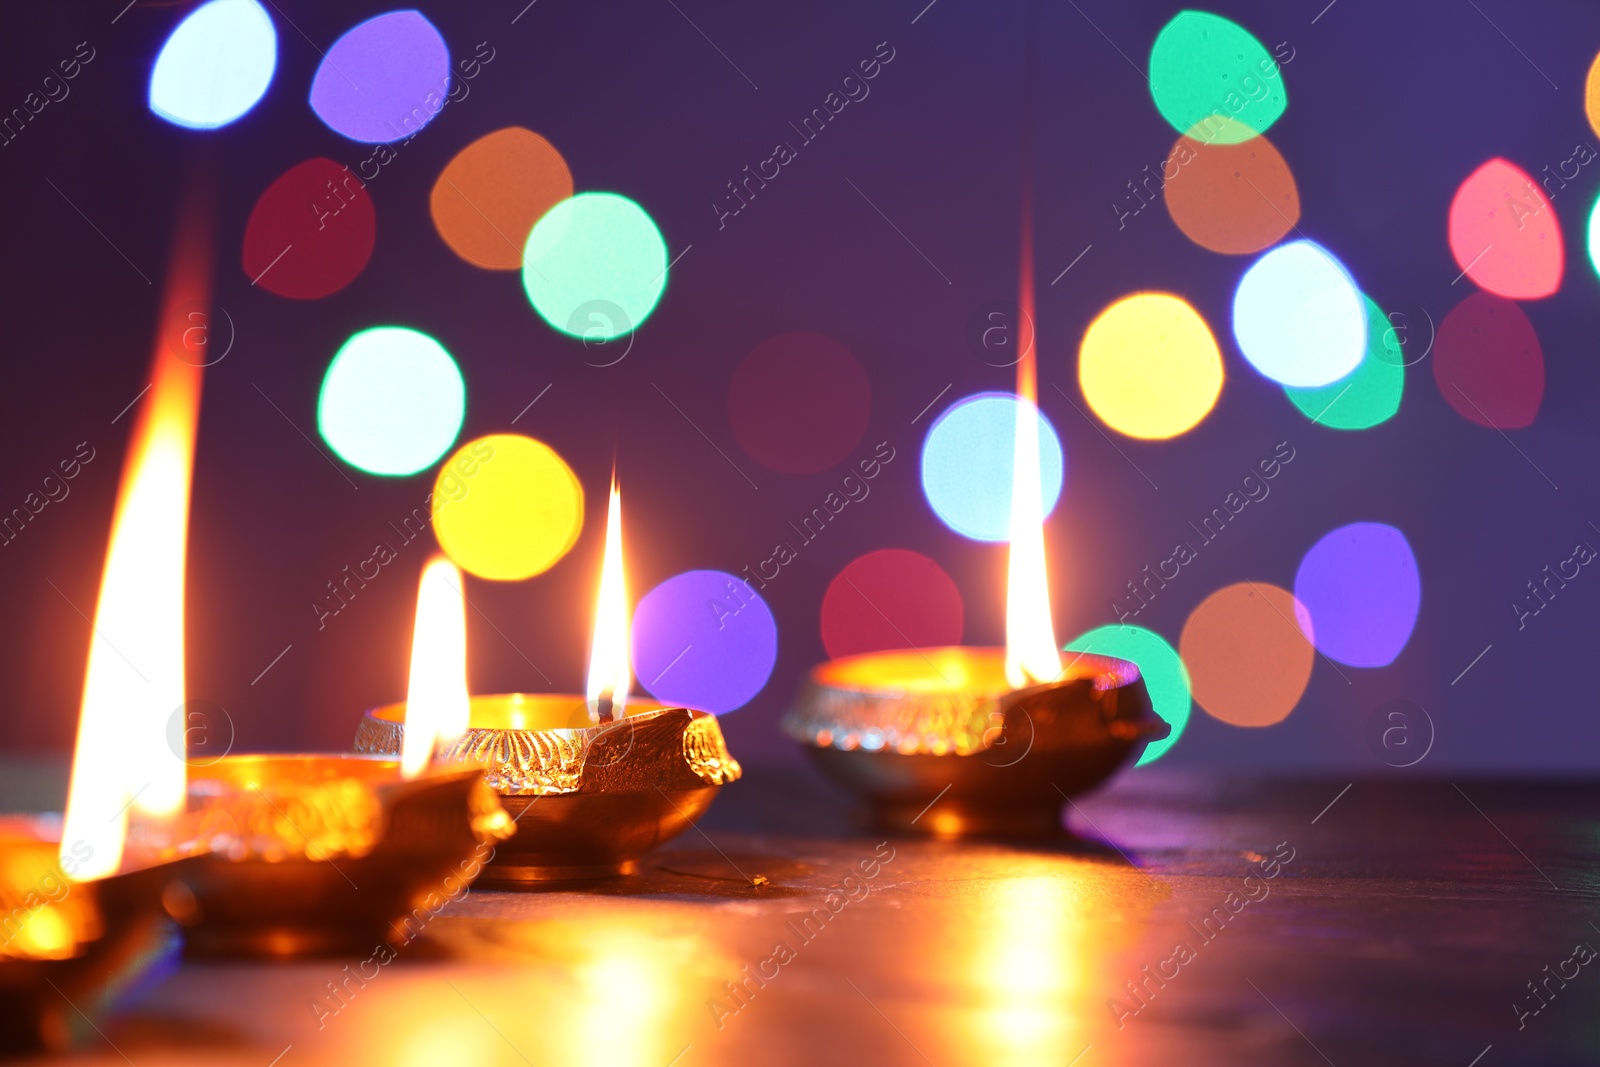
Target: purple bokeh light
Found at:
384, 80
1361, 587
704, 639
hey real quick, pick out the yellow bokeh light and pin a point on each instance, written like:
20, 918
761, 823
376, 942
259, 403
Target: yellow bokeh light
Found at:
1591, 96
1149, 366
506, 507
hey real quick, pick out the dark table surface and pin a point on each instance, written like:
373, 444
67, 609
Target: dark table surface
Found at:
1374, 922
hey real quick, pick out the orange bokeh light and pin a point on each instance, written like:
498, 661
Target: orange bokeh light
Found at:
489, 196
1248, 653
1231, 198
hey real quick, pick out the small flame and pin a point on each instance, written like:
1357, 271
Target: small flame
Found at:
1031, 655
135, 678
609, 674
437, 701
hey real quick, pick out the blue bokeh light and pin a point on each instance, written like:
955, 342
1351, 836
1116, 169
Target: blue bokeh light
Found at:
215, 65
967, 465
1299, 317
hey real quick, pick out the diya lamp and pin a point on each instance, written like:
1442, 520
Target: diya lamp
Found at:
80, 895
255, 854
332, 852
965, 740
591, 782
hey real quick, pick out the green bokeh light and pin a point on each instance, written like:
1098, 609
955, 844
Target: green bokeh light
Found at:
594, 266
1366, 396
1594, 236
1165, 676
1211, 79
392, 401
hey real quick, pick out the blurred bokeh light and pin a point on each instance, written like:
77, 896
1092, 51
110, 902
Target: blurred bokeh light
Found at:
967, 465
1298, 316
311, 231
1206, 71
215, 65
705, 640
384, 80
1149, 366
506, 507
1504, 234
1488, 363
1368, 395
594, 266
487, 199
392, 401
890, 598
799, 403
1359, 584
1166, 679
1233, 198
1248, 653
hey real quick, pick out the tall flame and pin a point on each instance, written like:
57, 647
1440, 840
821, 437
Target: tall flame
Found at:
134, 684
609, 674
1031, 655
437, 701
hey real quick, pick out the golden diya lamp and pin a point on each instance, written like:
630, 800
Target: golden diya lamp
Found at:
327, 853
256, 854
966, 740
591, 782
80, 896
65, 943
331, 852
336, 852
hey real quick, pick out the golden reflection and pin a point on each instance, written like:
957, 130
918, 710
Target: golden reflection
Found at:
1031, 964
442, 1039
634, 977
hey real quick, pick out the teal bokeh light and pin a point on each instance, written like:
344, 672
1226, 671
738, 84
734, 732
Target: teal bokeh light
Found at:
1165, 677
595, 266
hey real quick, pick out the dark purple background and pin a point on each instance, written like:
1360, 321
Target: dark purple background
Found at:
1391, 105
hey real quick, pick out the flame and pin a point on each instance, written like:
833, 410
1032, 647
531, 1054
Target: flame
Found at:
135, 677
1031, 655
437, 702
609, 675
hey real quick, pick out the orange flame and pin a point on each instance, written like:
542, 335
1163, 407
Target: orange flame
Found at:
609, 675
135, 677
437, 701
1031, 655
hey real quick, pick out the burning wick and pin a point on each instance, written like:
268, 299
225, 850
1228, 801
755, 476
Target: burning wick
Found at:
609, 675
